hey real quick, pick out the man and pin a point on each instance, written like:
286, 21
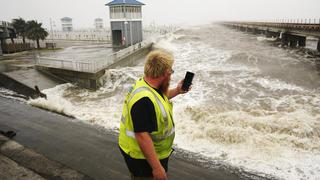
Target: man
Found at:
147, 127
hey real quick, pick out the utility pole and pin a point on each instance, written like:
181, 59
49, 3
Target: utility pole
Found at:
52, 34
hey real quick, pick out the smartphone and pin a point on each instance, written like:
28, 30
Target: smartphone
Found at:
187, 81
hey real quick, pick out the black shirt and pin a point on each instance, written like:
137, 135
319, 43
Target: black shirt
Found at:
144, 120
144, 116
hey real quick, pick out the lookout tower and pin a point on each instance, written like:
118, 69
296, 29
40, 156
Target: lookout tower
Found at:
66, 24
98, 23
125, 22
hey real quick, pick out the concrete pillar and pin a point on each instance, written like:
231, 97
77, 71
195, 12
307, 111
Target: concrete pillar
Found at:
292, 40
276, 34
295, 41
302, 41
268, 34
255, 31
284, 39
0, 49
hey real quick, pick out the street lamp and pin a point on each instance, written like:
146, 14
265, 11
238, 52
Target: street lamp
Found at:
52, 35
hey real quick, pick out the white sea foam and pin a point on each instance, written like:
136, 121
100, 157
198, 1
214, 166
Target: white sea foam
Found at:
275, 84
164, 42
262, 38
12, 95
234, 114
281, 144
275, 135
56, 101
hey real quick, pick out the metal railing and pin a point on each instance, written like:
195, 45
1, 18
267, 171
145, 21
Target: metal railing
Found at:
284, 21
296, 21
90, 66
299, 24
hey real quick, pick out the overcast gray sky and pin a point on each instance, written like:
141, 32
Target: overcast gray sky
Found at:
188, 12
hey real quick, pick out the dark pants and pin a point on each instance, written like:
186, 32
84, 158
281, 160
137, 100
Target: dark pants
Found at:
140, 178
140, 168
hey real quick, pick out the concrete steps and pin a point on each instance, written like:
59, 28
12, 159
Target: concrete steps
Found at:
19, 162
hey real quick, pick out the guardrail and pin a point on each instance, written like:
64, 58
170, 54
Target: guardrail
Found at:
296, 21
283, 21
286, 25
89, 66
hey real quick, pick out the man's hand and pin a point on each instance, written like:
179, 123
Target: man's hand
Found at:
146, 145
159, 174
179, 87
178, 90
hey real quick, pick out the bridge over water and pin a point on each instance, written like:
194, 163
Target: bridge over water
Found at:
291, 32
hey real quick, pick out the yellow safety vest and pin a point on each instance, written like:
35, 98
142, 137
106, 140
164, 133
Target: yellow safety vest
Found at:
162, 138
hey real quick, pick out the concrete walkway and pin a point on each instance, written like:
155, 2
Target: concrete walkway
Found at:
11, 170
83, 147
18, 162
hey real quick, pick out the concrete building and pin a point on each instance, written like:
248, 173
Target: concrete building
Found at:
126, 22
7, 31
66, 24
98, 24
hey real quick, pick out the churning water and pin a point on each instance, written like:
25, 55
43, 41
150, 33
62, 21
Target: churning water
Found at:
252, 105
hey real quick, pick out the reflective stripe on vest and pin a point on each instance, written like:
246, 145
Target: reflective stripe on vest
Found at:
164, 115
153, 137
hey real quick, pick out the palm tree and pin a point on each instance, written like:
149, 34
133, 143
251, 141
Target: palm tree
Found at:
21, 28
36, 32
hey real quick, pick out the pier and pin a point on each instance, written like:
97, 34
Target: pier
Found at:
87, 73
291, 32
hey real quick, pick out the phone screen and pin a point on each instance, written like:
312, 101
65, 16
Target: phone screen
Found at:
187, 80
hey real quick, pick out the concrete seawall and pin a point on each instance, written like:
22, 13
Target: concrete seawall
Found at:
83, 79
14, 85
24, 81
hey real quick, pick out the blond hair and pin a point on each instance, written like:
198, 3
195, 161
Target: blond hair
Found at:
157, 63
